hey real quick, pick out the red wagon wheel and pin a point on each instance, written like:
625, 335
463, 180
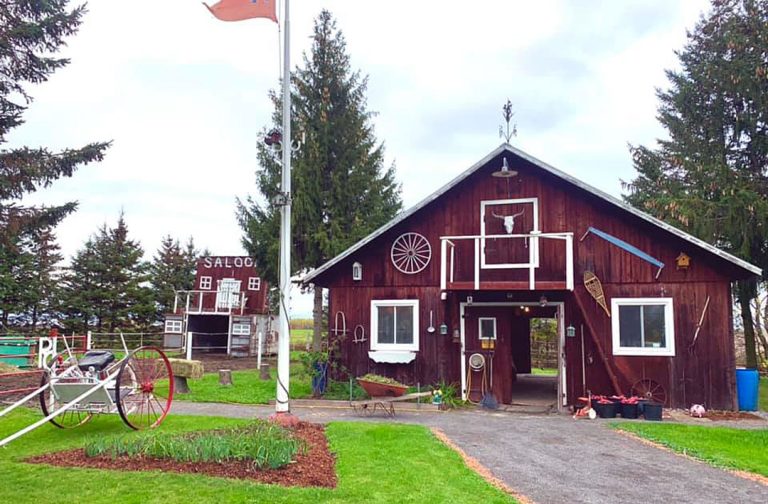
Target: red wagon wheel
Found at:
137, 401
49, 402
650, 390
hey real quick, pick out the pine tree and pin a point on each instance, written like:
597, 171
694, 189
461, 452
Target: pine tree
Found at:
341, 189
43, 285
30, 33
172, 269
711, 176
106, 283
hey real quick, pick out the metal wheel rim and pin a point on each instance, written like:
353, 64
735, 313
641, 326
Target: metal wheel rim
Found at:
68, 419
138, 405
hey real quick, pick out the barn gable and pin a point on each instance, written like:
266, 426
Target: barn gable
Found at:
614, 204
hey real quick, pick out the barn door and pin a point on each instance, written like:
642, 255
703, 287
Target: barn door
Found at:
228, 293
488, 332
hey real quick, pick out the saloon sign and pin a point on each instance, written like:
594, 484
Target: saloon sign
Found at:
227, 262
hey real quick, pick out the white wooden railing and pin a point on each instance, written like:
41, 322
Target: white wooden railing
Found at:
448, 256
209, 301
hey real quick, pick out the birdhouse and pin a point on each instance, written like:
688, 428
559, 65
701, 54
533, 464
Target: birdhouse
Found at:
683, 261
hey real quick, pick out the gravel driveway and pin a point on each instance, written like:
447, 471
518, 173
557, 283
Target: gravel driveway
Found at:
553, 458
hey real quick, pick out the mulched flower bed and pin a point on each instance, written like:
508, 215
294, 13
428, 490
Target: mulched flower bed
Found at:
314, 468
730, 415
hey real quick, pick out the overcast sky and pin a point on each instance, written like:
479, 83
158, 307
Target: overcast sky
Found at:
183, 96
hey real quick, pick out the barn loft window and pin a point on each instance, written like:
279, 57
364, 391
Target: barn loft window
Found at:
173, 326
487, 327
205, 283
254, 283
643, 326
394, 325
357, 271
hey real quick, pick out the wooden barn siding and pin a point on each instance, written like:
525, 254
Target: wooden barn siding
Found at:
708, 374
256, 302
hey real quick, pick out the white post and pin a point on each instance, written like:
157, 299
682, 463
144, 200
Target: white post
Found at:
284, 349
569, 262
88, 340
229, 335
258, 352
477, 263
443, 259
189, 345
175, 301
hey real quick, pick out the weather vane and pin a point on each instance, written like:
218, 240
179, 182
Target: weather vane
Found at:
508, 114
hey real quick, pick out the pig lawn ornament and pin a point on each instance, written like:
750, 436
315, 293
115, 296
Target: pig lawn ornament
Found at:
509, 220
697, 410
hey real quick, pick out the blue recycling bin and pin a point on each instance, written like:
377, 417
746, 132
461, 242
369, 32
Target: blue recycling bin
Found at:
747, 383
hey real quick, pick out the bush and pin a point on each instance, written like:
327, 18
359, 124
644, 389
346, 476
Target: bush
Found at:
266, 444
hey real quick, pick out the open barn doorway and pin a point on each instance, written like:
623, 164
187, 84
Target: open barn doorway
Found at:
504, 348
537, 376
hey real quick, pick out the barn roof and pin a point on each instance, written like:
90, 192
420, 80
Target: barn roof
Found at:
550, 169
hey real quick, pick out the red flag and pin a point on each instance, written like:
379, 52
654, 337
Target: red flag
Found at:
238, 10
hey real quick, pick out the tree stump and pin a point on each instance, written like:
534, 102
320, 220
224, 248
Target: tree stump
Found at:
264, 372
225, 377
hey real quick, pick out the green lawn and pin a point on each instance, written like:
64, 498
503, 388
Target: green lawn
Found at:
742, 449
375, 463
762, 400
544, 371
247, 387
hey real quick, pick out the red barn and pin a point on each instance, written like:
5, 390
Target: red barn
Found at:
447, 291
225, 312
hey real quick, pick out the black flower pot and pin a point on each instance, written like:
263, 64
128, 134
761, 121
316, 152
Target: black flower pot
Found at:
652, 411
629, 410
607, 410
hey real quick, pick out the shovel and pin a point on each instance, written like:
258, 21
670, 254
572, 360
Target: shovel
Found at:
431, 327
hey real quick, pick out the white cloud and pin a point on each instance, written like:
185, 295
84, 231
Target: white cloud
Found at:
183, 95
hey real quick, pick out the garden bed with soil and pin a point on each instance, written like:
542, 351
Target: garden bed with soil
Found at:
313, 468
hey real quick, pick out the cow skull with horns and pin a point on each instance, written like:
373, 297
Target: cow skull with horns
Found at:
509, 220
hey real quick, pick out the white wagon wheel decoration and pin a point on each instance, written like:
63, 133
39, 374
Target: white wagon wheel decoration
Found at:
411, 253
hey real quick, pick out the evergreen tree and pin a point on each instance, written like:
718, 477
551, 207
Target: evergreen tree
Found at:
172, 269
711, 176
30, 33
16, 272
341, 189
45, 274
107, 282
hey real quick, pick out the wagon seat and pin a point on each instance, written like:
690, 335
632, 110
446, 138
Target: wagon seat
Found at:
97, 359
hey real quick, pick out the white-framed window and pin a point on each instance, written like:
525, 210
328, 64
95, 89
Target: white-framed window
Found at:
254, 283
395, 324
486, 327
205, 283
643, 326
241, 329
173, 326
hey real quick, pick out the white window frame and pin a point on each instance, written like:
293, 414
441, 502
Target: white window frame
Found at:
206, 282
533, 246
357, 271
254, 283
669, 326
480, 327
237, 329
174, 326
375, 345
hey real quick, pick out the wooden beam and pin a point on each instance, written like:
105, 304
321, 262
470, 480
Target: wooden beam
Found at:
596, 341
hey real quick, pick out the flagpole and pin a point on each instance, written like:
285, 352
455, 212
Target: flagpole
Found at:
283, 350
